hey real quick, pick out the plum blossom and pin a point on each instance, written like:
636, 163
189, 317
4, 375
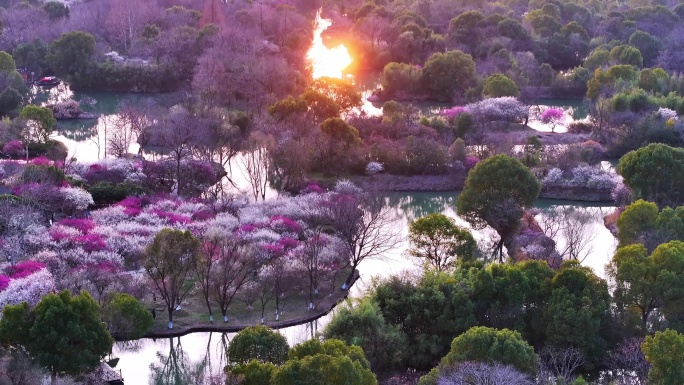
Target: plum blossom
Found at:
454, 112
28, 289
506, 108
583, 176
13, 148
23, 269
109, 215
666, 113
373, 168
552, 116
344, 186
4, 282
77, 197
82, 225
554, 175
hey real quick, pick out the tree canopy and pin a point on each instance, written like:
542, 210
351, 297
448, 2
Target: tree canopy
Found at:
652, 172
364, 325
71, 53
496, 193
449, 74
259, 343
126, 317
499, 85
63, 333
169, 261
664, 351
439, 241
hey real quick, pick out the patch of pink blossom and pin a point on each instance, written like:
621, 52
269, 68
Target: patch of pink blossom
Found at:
247, 228
203, 215
173, 218
91, 242
29, 289
41, 161
313, 188
13, 148
453, 112
288, 243
82, 225
24, 269
551, 115
4, 282
132, 206
281, 222
470, 162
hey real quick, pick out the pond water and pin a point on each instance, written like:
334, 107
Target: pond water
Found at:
574, 109
86, 138
201, 354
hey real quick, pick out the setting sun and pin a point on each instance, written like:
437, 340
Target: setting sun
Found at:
327, 61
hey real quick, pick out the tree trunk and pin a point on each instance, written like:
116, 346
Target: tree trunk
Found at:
644, 319
211, 314
53, 378
350, 277
170, 317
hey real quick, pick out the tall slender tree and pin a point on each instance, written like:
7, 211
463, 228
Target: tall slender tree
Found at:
169, 261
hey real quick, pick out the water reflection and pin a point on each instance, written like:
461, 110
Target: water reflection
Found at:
194, 359
176, 368
413, 206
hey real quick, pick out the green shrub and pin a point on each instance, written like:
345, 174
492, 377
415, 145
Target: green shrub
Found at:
108, 193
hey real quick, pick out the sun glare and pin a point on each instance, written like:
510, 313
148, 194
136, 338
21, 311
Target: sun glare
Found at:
327, 61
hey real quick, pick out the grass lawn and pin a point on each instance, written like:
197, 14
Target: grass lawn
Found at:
194, 314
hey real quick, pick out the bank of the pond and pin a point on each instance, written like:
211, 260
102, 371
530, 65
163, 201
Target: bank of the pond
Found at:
322, 309
454, 183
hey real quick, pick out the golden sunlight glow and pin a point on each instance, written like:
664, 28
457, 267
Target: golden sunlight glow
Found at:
326, 61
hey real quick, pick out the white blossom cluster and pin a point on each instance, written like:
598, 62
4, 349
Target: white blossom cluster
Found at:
130, 169
506, 108
9, 169
583, 176
534, 251
77, 197
373, 168
666, 113
67, 109
29, 289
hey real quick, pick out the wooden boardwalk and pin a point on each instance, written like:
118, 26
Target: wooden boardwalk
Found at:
110, 376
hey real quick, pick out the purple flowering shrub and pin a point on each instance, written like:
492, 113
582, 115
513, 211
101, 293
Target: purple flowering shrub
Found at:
9, 168
23, 269
91, 242
313, 188
454, 112
552, 116
4, 282
13, 149
82, 225
282, 223
470, 162
173, 218
41, 161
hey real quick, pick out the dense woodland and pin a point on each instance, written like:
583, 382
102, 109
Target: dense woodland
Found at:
90, 244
